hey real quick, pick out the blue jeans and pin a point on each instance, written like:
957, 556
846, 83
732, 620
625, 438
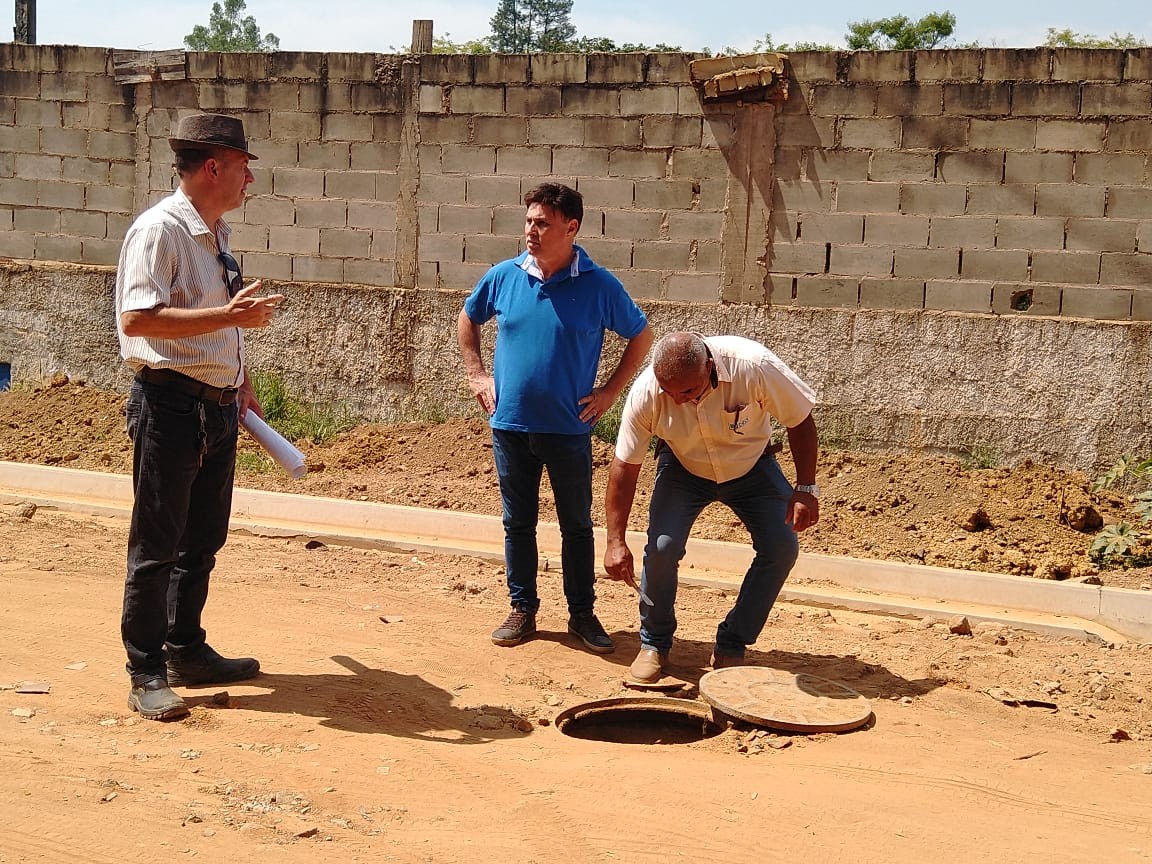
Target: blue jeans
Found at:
183, 464
520, 460
760, 499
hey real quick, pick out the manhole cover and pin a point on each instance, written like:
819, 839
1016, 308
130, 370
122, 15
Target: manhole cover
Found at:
795, 702
639, 720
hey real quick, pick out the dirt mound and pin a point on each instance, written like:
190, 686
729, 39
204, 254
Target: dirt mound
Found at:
1030, 520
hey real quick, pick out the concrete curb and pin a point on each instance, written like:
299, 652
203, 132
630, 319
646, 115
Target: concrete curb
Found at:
1059, 608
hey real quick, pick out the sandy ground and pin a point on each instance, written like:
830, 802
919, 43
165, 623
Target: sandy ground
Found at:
420, 741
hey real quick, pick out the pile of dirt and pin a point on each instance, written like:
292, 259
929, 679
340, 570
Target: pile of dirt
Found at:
1030, 520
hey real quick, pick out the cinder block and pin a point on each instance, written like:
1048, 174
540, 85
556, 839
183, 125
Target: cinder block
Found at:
643, 284
811, 66
321, 214
500, 68
846, 260
616, 68
509, 221
789, 161
297, 64
307, 268
56, 248
294, 240
1101, 235
844, 100
891, 293
482, 99
1106, 304
656, 99
298, 182
983, 99
880, 65
1129, 202
695, 225
492, 190
17, 244
962, 296
1038, 168
1144, 237
1070, 135
373, 98
105, 253
895, 230
1029, 233
1056, 199
633, 224
381, 273
377, 215
110, 199
637, 164
295, 126
962, 232
1087, 64
348, 66
1110, 169
442, 189
613, 193
694, 288
1117, 268
248, 238
827, 291
71, 58
989, 199
21, 85
1018, 298
465, 220
1017, 64
243, 66
1076, 267
500, 130
487, 249
559, 68
983, 166
994, 264
661, 255
118, 225
344, 243
1048, 100
830, 228
613, 132
523, 160
388, 185
556, 130
441, 247
446, 68
828, 165
960, 64
932, 199
665, 131
378, 157
580, 161
580, 101
35, 220
432, 99
904, 100
328, 155
805, 196
347, 127
64, 86
927, 263
932, 133
532, 101
7, 109
1002, 134
667, 67
26, 139
73, 115
53, 193
445, 130
878, 134
654, 194
609, 253
36, 112
1132, 99
79, 223
176, 94
714, 193
868, 197
262, 210
708, 257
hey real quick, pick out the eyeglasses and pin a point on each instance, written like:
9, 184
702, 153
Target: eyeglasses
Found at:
232, 277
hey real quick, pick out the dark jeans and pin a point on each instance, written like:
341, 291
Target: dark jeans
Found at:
182, 470
520, 460
760, 499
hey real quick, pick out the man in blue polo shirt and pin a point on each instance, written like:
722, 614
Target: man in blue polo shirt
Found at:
552, 305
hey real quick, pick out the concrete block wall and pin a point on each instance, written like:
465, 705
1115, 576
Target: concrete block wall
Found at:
1014, 182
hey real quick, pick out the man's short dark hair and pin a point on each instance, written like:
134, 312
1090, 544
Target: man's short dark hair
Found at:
566, 201
190, 159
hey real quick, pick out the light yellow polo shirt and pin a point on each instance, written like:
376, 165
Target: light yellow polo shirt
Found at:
723, 435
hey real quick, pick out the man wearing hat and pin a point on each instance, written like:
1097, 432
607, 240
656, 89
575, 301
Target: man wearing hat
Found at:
181, 309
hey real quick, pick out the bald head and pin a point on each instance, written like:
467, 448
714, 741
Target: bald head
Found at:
679, 354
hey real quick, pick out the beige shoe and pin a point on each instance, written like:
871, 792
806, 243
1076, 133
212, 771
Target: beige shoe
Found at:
648, 666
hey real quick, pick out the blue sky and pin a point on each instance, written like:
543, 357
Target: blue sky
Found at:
378, 25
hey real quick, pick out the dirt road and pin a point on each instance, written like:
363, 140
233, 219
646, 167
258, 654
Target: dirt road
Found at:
372, 741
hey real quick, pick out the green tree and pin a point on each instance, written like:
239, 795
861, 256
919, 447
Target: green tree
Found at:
524, 26
900, 33
445, 45
1067, 38
768, 44
227, 31
604, 45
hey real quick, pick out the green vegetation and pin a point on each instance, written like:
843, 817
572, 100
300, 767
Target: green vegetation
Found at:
608, 426
1067, 38
979, 456
294, 418
227, 31
1122, 544
900, 33
252, 462
524, 26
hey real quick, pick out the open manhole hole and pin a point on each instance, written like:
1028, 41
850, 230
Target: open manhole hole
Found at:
639, 720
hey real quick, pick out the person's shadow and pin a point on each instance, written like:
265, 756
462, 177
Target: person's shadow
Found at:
374, 701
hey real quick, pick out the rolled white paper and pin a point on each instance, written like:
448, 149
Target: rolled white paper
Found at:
279, 448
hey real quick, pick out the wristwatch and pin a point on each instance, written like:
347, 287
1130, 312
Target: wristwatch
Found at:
811, 488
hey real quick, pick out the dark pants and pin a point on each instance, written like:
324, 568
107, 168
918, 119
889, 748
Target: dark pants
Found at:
520, 460
182, 470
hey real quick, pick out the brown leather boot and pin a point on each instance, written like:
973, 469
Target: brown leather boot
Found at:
648, 665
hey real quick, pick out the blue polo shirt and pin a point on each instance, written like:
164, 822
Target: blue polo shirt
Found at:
549, 335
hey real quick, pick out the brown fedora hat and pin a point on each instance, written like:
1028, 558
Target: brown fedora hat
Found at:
210, 130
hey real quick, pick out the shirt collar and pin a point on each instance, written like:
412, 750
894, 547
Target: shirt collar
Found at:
723, 373
186, 212
581, 263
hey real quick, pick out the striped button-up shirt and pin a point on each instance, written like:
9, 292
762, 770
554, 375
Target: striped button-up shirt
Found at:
170, 259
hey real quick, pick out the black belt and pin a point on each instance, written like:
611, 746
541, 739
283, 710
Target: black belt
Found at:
196, 389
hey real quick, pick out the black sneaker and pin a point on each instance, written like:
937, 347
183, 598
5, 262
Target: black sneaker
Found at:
154, 700
518, 626
205, 666
587, 626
